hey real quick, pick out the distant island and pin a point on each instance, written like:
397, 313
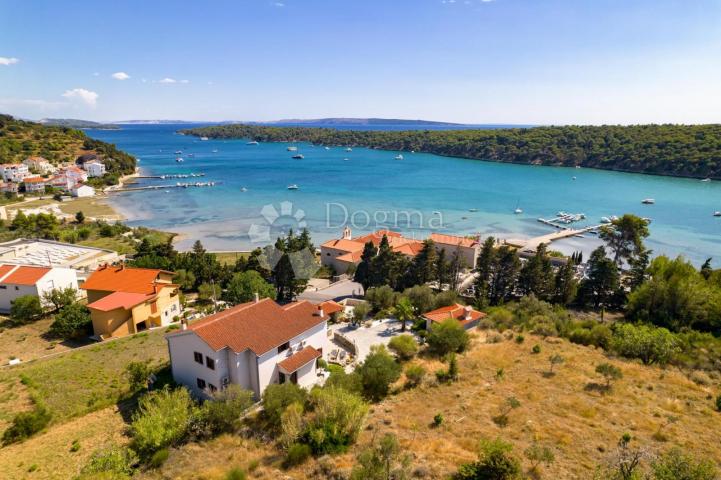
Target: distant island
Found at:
75, 123
358, 121
675, 150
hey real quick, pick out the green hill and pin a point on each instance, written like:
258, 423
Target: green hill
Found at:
675, 150
20, 139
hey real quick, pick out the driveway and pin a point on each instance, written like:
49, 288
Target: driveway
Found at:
380, 332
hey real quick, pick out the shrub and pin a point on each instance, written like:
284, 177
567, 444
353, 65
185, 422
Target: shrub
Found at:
159, 458
291, 424
350, 382
161, 420
223, 413
609, 372
650, 344
60, 297
378, 372
277, 398
116, 460
245, 285
447, 337
494, 462
404, 346
360, 312
437, 419
339, 418
414, 375
26, 424
538, 454
137, 373
536, 349
26, 308
501, 419
72, 321
718, 403
520, 339
677, 465
321, 363
382, 460
297, 454
235, 474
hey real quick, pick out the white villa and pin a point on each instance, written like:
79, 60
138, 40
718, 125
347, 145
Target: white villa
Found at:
14, 172
19, 280
94, 168
253, 345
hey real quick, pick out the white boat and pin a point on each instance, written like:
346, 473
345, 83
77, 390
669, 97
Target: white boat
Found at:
472, 209
706, 180
348, 149
204, 138
605, 220
717, 213
292, 149
179, 159
293, 186
327, 148
243, 189
191, 154
573, 178
252, 143
298, 157
648, 201
436, 212
178, 152
346, 159
518, 211
215, 150
399, 157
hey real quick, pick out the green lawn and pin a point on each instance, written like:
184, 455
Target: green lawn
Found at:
82, 381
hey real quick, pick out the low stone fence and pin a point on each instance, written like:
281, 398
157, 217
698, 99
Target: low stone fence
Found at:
345, 342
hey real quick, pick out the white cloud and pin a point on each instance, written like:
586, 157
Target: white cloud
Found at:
279, 4
96, 74
85, 96
8, 60
185, 81
168, 80
120, 76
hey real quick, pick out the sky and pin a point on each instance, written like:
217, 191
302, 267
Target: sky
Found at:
468, 61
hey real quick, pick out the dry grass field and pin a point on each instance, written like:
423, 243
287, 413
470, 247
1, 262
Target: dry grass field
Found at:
581, 425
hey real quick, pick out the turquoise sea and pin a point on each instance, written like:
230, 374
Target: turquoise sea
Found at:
371, 189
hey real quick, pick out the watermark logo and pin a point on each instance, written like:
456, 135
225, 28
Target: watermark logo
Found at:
261, 233
303, 262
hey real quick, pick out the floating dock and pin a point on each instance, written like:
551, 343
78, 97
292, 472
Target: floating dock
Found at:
169, 176
166, 187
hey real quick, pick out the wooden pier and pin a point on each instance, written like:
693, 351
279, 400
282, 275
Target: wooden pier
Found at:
533, 243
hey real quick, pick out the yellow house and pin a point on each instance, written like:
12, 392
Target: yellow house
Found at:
124, 300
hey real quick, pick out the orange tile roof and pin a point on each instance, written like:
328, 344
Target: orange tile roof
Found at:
351, 257
453, 240
116, 300
125, 279
344, 244
23, 274
330, 307
34, 179
297, 360
456, 311
259, 326
5, 269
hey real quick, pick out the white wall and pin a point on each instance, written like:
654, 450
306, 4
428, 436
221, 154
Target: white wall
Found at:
166, 316
186, 370
56, 278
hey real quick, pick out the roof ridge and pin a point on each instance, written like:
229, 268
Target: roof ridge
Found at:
226, 313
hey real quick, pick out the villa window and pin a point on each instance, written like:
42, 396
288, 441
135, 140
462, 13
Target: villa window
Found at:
198, 357
201, 383
210, 363
284, 347
212, 388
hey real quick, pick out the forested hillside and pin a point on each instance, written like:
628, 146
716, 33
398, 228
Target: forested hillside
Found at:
20, 139
676, 150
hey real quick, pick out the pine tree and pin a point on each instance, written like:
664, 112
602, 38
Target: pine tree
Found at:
505, 278
485, 265
424, 265
536, 276
363, 270
603, 280
441, 269
566, 285
382, 264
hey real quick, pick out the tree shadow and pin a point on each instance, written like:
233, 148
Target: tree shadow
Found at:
128, 404
597, 387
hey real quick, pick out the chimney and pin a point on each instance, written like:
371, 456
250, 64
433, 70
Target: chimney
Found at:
257, 297
320, 311
468, 311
